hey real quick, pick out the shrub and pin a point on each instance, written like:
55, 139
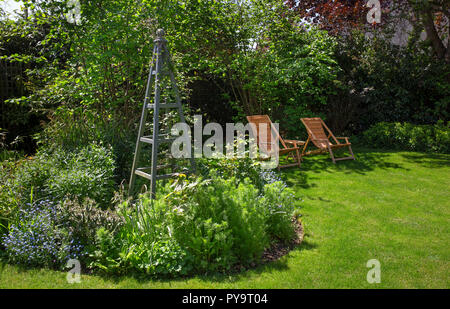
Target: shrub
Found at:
71, 130
386, 82
18, 181
8, 198
293, 76
56, 174
83, 220
197, 225
238, 168
407, 136
86, 173
221, 223
226, 167
279, 205
142, 245
28, 176
35, 239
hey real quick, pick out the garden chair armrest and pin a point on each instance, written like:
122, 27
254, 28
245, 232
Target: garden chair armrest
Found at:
266, 143
275, 146
294, 142
343, 137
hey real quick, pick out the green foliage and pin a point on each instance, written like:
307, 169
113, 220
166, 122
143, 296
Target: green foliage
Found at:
36, 237
86, 173
196, 226
383, 82
279, 206
72, 130
18, 187
57, 174
82, 220
221, 223
407, 136
99, 67
90, 77
293, 76
36, 49
238, 167
142, 245
105, 257
8, 199
232, 167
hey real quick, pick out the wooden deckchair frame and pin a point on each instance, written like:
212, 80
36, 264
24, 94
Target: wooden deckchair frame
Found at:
317, 136
289, 147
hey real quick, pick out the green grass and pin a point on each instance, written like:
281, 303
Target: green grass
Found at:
390, 206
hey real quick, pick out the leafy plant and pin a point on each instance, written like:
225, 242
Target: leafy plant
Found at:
279, 206
83, 219
57, 174
86, 173
105, 257
237, 167
35, 238
219, 224
142, 245
197, 225
407, 136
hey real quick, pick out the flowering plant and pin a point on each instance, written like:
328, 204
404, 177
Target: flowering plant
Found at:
35, 239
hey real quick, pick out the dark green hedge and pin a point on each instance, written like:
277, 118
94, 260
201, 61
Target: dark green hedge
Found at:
408, 136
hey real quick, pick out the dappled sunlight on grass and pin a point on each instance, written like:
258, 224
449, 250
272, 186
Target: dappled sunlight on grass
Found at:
433, 160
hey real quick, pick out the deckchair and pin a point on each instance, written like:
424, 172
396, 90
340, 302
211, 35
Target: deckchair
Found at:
264, 141
317, 136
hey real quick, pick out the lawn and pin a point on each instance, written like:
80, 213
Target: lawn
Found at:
386, 205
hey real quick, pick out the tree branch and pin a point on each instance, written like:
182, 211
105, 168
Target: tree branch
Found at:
432, 34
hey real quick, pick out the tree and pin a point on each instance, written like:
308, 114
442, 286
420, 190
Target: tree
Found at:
434, 17
340, 17
335, 16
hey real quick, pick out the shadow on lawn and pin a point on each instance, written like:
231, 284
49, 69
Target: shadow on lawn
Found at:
366, 161
29, 268
213, 278
269, 267
430, 160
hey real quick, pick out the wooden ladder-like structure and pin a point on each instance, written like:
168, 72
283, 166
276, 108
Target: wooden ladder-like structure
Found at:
160, 67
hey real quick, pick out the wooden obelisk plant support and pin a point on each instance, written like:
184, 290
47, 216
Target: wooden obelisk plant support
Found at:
160, 68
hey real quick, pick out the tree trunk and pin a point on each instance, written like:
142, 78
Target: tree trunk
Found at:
432, 34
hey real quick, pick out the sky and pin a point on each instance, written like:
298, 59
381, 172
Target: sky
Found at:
10, 6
